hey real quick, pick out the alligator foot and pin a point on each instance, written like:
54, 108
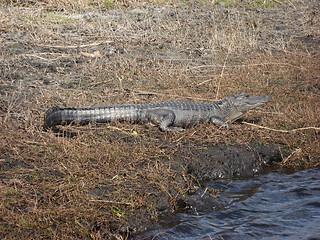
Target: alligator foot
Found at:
167, 129
217, 121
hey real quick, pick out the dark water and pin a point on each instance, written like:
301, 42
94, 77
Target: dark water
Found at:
274, 206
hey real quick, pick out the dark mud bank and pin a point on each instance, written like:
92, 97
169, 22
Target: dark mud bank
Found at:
205, 164
223, 161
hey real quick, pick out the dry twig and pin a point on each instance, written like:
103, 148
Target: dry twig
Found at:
280, 130
76, 46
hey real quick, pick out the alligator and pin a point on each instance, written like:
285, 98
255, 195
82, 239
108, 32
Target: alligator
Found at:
169, 116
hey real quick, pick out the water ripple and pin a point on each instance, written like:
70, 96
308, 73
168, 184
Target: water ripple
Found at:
275, 206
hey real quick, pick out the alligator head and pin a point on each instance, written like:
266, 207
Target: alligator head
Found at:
242, 103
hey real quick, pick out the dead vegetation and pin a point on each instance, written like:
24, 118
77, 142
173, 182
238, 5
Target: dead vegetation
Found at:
97, 184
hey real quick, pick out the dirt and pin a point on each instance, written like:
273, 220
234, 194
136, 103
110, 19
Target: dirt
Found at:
223, 161
114, 181
210, 163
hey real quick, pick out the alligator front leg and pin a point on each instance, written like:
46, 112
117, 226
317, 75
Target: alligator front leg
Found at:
164, 118
219, 122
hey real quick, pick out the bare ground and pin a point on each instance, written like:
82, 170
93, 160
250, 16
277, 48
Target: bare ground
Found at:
111, 181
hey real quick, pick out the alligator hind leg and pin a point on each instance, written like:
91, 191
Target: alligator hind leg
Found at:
219, 122
164, 118
165, 125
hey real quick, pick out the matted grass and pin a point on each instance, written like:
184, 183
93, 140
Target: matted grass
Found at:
98, 184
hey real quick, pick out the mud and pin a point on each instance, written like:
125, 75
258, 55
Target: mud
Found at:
223, 161
206, 164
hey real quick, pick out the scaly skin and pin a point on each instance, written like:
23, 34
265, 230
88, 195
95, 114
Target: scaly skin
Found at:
169, 116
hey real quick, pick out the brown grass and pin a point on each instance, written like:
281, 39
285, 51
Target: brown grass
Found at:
92, 185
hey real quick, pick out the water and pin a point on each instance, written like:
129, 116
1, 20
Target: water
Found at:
275, 206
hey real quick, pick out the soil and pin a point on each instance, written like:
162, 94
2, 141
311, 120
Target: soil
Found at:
223, 161
141, 54
210, 163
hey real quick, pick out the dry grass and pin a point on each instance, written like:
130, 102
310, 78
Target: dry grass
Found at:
87, 5
92, 185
